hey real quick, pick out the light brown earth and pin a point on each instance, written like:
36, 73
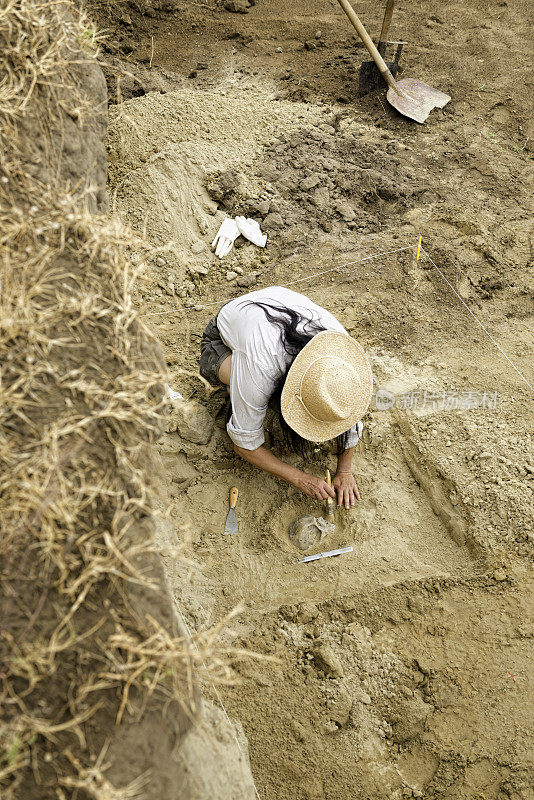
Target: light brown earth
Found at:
394, 663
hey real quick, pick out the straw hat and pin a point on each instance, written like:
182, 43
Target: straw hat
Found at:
328, 387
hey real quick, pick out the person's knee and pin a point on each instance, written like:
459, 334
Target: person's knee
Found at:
225, 370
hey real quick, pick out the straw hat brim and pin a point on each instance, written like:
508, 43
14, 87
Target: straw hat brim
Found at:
326, 343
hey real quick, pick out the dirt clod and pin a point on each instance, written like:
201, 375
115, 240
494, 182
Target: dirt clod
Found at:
237, 6
191, 420
327, 661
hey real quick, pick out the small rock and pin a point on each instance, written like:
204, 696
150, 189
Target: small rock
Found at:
499, 575
310, 183
298, 730
279, 50
239, 270
194, 270
345, 211
339, 707
327, 661
247, 281
273, 221
160, 261
307, 612
237, 6
310, 45
191, 420
329, 726
321, 198
222, 187
230, 275
198, 247
318, 34
263, 207
362, 697
170, 289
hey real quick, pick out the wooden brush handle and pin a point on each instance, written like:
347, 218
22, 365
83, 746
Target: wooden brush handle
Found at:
328, 479
233, 496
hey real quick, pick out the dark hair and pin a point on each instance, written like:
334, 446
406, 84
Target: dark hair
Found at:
296, 330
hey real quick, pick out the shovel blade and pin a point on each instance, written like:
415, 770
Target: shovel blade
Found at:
370, 77
415, 99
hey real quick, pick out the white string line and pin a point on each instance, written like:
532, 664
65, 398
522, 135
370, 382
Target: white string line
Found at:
283, 285
497, 345
217, 694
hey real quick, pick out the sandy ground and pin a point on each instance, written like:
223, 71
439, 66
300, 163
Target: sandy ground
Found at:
403, 668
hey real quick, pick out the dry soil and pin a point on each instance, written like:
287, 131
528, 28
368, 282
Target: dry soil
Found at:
403, 668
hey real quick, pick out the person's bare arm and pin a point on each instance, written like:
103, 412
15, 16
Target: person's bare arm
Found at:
344, 483
309, 484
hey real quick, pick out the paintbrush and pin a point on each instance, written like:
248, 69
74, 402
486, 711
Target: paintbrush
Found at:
329, 506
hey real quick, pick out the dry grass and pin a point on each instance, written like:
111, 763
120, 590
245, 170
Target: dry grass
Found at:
81, 396
41, 41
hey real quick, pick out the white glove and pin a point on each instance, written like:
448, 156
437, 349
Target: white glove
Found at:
226, 236
251, 230
172, 394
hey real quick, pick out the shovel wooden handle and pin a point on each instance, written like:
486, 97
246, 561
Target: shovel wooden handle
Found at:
368, 42
386, 23
233, 496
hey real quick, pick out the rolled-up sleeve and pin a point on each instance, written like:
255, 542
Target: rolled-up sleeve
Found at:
249, 405
354, 435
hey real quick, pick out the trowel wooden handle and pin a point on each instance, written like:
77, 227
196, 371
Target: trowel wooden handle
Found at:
368, 42
233, 496
328, 479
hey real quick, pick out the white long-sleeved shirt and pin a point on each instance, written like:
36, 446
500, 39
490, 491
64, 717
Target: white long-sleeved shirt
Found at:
259, 359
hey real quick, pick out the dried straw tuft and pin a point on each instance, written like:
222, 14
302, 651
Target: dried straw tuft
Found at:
81, 397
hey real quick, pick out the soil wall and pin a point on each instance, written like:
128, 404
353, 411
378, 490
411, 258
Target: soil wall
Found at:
98, 676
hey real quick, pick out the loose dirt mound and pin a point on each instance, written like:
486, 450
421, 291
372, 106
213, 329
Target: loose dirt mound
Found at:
164, 150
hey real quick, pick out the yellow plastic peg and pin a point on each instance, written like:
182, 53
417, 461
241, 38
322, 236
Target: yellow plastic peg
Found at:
419, 248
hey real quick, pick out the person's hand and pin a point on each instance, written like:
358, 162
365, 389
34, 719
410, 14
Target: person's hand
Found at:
226, 236
347, 491
314, 487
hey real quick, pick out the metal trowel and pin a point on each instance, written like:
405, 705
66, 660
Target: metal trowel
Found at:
231, 519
